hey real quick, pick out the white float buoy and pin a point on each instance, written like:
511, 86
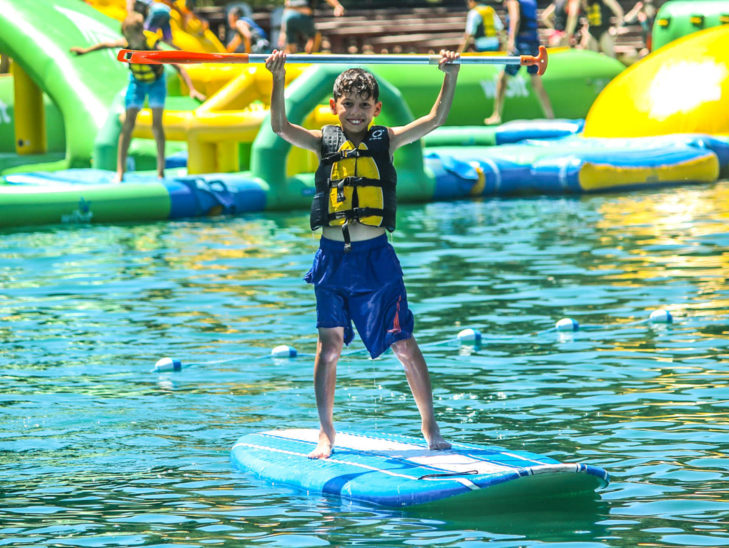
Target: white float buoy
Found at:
283, 351
661, 316
567, 324
469, 336
168, 364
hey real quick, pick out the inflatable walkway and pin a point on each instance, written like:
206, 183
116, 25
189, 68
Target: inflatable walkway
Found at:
251, 169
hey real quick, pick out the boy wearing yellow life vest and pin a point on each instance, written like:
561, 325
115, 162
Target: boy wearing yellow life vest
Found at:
145, 81
356, 275
483, 28
601, 32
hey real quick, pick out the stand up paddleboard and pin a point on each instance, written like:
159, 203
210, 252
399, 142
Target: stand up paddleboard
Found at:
400, 472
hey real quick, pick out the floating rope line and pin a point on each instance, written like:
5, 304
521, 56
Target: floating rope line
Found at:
466, 337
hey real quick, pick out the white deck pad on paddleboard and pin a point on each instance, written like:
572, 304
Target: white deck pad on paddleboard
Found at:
398, 471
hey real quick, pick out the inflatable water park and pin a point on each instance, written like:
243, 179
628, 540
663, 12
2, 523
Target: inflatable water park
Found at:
660, 121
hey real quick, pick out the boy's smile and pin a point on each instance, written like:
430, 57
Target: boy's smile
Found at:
355, 112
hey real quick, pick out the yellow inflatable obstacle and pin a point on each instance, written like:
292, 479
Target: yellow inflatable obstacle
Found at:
231, 117
681, 88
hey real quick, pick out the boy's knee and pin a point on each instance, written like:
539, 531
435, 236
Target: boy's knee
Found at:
330, 354
331, 344
403, 346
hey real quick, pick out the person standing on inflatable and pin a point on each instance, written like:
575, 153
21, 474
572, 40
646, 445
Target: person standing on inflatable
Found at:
297, 25
560, 17
483, 27
356, 275
601, 33
156, 15
145, 82
523, 39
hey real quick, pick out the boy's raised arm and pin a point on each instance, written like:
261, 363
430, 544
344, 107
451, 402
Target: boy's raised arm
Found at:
294, 134
194, 93
78, 50
416, 129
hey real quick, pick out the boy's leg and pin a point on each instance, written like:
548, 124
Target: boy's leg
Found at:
542, 96
158, 131
416, 370
125, 137
495, 117
328, 350
313, 44
607, 44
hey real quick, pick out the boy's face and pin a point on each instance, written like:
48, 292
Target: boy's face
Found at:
355, 112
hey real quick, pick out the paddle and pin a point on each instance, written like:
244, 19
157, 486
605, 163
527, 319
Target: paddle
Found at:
189, 57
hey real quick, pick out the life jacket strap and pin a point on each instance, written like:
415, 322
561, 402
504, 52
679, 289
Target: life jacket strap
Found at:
356, 213
354, 182
345, 154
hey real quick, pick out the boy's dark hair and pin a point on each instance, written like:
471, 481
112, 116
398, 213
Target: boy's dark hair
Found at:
133, 22
357, 81
141, 6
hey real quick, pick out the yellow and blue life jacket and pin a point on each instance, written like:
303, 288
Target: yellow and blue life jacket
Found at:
487, 27
148, 73
354, 183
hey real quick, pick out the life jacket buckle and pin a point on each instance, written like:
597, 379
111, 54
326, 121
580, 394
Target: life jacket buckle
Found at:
345, 234
340, 191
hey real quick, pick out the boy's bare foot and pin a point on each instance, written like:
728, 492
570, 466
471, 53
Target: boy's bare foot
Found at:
118, 178
325, 447
436, 442
492, 120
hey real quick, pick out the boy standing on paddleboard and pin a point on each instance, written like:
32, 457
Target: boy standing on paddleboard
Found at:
356, 274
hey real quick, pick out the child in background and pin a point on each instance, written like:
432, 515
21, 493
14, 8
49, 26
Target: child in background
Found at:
522, 39
601, 32
145, 81
248, 37
156, 15
483, 28
560, 17
356, 275
297, 25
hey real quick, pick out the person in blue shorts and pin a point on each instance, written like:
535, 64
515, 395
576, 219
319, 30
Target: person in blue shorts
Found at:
145, 81
522, 39
356, 275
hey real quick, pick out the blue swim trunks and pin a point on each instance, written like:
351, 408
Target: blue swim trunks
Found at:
364, 287
156, 92
523, 47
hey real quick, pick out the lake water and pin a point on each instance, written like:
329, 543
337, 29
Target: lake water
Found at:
97, 450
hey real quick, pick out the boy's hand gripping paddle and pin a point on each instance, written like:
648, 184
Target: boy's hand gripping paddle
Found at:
190, 57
